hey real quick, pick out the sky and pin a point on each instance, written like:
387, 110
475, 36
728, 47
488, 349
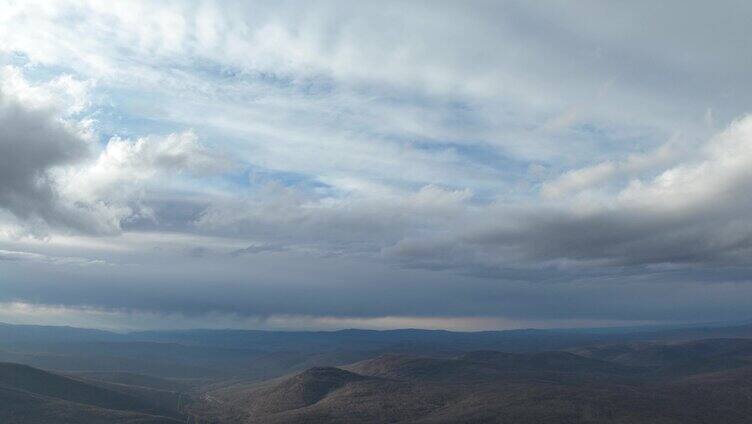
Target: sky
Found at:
463, 165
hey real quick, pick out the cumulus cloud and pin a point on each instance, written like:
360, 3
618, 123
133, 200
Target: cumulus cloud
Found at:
34, 142
176, 152
603, 175
53, 177
693, 213
128, 163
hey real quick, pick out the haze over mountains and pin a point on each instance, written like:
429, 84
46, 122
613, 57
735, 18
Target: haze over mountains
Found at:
697, 374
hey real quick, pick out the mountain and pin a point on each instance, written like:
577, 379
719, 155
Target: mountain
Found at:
523, 340
29, 395
678, 358
220, 356
229, 341
15, 333
138, 380
319, 395
481, 367
99, 357
503, 387
299, 391
661, 375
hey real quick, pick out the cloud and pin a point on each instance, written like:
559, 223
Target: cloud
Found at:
432, 54
10, 255
350, 224
126, 163
174, 153
34, 142
53, 178
290, 283
609, 174
259, 248
693, 213
580, 179
347, 159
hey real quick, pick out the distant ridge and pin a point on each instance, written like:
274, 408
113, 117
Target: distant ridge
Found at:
490, 386
521, 340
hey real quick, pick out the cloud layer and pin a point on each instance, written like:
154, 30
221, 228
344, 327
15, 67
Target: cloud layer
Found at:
494, 162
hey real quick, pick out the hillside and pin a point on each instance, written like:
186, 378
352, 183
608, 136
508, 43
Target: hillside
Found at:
489, 386
220, 355
484, 367
406, 376
139, 380
677, 358
29, 395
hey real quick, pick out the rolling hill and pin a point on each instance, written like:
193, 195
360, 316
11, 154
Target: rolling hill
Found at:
403, 376
493, 387
30, 395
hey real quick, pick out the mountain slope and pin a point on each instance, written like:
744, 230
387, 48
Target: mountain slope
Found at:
299, 391
678, 358
323, 395
483, 367
33, 395
498, 387
19, 407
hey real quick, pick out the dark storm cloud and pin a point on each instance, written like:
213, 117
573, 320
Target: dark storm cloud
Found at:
342, 288
615, 239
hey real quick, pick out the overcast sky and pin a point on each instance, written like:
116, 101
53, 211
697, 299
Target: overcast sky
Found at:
326, 164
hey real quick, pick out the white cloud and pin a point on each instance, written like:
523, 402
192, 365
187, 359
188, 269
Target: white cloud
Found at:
52, 176
602, 176
691, 213
718, 178
63, 95
10, 255
36, 139
128, 163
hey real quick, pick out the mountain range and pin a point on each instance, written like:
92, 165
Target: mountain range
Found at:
697, 374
